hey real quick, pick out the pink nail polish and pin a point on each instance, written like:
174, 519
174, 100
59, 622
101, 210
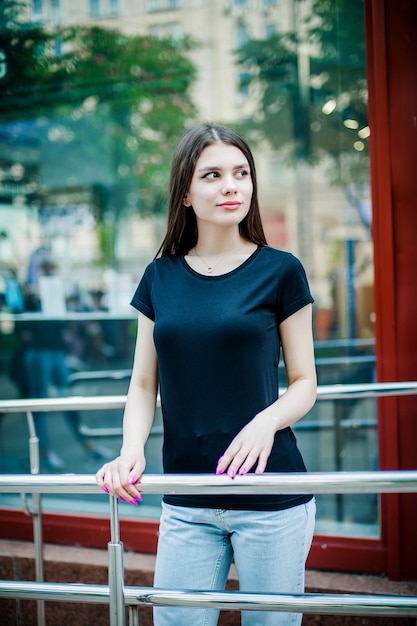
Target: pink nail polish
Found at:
105, 490
231, 473
133, 502
122, 500
132, 480
219, 470
242, 471
139, 498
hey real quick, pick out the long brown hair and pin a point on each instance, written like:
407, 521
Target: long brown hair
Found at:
182, 232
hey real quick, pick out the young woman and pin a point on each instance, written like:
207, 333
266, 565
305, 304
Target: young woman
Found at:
215, 309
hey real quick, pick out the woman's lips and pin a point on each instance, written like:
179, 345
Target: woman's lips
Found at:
230, 205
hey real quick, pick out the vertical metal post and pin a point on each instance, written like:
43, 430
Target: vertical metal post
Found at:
339, 412
133, 616
116, 568
36, 513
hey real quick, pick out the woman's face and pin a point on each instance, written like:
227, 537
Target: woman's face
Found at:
221, 187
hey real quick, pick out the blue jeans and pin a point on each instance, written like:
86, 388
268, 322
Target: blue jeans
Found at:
196, 547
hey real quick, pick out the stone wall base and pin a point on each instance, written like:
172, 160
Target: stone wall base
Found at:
84, 565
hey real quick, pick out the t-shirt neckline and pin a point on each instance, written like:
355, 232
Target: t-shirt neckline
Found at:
246, 262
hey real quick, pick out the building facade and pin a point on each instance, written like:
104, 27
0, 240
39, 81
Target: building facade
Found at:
318, 209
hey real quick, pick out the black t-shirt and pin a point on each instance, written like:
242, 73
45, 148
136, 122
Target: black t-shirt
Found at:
218, 347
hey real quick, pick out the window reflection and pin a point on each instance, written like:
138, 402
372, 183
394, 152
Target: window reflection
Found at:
90, 113
94, 8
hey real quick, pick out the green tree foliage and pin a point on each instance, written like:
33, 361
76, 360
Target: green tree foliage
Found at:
92, 92
323, 61
142, 85
23, 46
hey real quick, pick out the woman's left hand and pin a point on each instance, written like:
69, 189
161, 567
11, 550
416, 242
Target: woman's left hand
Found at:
253, 444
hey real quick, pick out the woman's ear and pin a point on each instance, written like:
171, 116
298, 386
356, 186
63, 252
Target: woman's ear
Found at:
186, 202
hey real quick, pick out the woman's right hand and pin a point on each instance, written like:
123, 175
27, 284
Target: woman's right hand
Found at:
121, 477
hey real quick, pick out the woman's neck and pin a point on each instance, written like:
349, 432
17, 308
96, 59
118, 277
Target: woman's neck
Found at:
212, 242
215, 256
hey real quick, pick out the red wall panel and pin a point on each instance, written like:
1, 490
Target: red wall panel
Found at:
392, 54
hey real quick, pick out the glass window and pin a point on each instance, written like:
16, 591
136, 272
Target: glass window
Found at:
163, 5
156, 30
3, 64
244, 81
174, 30
114, 7
94, 8
171, 30
312, 112
268, 4
86, 137
57, 46
55, 11
37, 10
241, 34
153, 5
270, 30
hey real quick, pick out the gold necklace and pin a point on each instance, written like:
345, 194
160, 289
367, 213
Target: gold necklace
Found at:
210, 268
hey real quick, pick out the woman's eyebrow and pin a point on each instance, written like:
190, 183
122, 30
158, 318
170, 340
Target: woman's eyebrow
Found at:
210, 168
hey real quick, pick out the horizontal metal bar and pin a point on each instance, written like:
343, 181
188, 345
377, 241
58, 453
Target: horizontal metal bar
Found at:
322, 344
366, 390
328, 424
86, 431
71, 403
68, 592
296, 482
158, 431
99, 375
68, 316
336, 604
340, 604
347, 360
324, 392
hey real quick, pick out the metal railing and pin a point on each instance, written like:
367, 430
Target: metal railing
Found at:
117, 595
79, 403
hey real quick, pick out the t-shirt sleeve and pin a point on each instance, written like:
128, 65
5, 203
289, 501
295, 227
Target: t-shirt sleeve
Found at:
142, 298
293, 289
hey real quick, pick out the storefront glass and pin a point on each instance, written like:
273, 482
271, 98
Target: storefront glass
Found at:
93, 100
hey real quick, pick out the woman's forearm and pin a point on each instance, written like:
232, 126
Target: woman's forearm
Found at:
293, 404
138, 418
